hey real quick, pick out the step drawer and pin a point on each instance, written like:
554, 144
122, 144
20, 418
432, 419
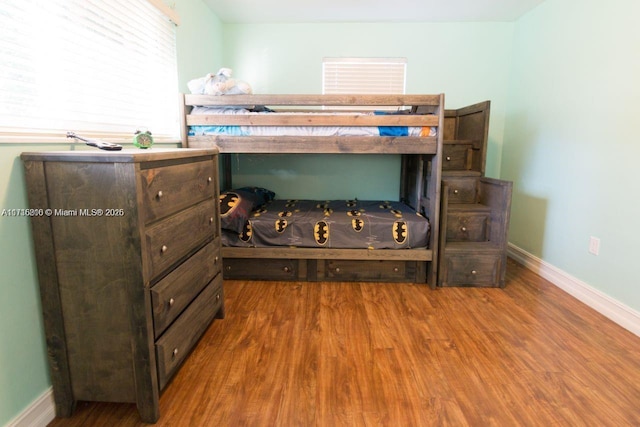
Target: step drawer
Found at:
177, 342
171, 295
175, 237
457, 157
168, 189
462, 190
467, 227
471, 270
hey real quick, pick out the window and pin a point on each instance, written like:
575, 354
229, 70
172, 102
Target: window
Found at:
363, 75
99, 67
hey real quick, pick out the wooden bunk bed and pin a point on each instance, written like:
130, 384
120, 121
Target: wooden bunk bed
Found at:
420, 119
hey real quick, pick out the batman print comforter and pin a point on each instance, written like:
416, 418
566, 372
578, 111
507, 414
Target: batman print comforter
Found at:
345, 224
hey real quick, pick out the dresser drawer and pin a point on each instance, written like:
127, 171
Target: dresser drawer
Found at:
467, 227
171, 295
462, 190
457, 157
471, 270
263, 269
176, 343
173, 238
168, 189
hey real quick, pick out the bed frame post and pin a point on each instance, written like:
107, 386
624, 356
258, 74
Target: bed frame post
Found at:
183, 121
226, 180
433, 189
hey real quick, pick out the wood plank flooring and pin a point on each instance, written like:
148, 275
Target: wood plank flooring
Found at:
367, 354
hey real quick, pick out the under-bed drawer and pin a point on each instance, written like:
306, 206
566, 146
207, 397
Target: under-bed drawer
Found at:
368, 271
176, 343
173, 293
264, 269
168, 189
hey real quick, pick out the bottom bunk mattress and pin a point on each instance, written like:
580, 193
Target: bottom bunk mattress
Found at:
343, 224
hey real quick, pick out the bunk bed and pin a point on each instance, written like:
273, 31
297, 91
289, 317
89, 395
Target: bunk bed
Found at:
405, 125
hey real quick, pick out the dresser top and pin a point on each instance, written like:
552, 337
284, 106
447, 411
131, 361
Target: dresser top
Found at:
122, 156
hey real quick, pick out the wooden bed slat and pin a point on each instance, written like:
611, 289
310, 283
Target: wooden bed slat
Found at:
317, 145
327, 253
308, 100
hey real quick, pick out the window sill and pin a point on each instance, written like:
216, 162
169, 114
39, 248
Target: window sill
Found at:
58, 138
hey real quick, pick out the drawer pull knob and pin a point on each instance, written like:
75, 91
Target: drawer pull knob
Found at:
159, 195
217, 297
209, 179
216, 259
286, 269
448, 158
473, 272
396, 269
171, 302
228, 268
175, 352
337, 269
163, 249
463, 229
211, 220
455, 191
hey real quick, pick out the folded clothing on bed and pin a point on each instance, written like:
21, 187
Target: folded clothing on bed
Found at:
344, 224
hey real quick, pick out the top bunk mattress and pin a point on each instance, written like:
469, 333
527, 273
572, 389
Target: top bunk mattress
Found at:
343, 224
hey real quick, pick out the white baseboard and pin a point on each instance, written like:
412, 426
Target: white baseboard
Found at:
40, 413
624, 316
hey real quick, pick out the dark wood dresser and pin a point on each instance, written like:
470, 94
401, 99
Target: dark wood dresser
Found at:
475, 210
127, 245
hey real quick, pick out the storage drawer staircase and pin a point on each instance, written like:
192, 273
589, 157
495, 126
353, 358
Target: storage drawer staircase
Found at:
474, 232
474, 217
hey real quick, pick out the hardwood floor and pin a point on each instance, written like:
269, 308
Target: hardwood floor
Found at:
367, 354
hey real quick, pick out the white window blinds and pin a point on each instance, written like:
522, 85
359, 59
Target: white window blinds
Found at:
102, 67
363, 75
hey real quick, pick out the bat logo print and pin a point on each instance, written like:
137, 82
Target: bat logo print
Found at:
228, 202
259, 212
281, 225
247, 232
357, 224
400, 232
321, 232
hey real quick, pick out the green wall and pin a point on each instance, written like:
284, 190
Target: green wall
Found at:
468, 62
24, 375
199, 40
571, 140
